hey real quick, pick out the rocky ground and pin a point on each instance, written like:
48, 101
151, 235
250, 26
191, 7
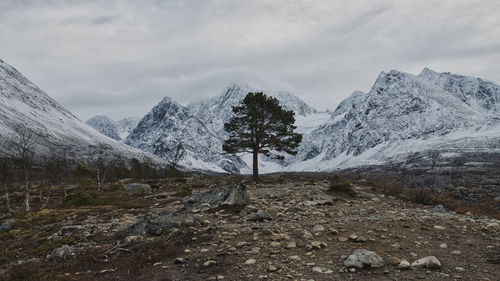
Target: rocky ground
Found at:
293, 230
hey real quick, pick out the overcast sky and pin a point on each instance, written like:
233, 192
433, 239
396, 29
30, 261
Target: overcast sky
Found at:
120, 58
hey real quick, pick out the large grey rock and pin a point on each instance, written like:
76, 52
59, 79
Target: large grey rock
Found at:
439, 209
427, 262
226, 195
318, 200
161, 223
7, 225
363, 258
259, 216
136, 187
62, 253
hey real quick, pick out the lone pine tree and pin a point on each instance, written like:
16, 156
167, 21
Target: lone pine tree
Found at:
261, 125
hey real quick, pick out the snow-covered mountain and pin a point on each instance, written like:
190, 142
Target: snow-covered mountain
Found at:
401, 113
104, 125
125, 126
199, 127
24, 104
117, 130
405, 113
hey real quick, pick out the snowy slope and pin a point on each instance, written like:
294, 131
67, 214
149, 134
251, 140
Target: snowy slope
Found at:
22, 102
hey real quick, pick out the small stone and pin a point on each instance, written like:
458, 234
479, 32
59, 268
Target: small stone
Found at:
459, 269
259, 216
353, 237
295, 258
250, 261
246, 230
366, 212
272, 268
343, 239
456, 252
179, 260
242, 244
413, 254
321, 270
7, 225
291, 245
438, 227
203, 250
275, 244
427, 262
395, 260
307, 235
284, 236
404, 265
209, 263
352, 269
220, 277
443, 246
318, 228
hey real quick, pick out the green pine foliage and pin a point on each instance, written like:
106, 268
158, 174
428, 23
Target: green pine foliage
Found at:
261, 125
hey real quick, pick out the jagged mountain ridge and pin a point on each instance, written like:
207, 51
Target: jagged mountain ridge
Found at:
199, 126
23, 103
117, 130
401, 113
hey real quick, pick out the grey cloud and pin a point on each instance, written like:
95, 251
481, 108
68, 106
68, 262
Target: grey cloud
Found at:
121, 57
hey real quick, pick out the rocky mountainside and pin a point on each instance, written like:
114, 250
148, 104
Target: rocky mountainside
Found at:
117, 130
104, 125
169, 124
200, 128
24, 104
402, 113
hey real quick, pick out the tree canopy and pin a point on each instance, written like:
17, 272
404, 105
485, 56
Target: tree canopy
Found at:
261, 125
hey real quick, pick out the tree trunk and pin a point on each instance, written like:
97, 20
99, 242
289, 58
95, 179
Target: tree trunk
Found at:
98, 180
47, 200
255, 166
26, 186
7, 196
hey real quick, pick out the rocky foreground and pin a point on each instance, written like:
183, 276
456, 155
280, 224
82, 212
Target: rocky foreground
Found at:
288, 231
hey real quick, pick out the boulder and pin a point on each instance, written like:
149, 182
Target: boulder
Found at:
439, 209
427, 262
62, 253
69, 230
318, 200
7, 225
138, 188
361, 258
404, 265
259, 216
226, 195
161, 223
